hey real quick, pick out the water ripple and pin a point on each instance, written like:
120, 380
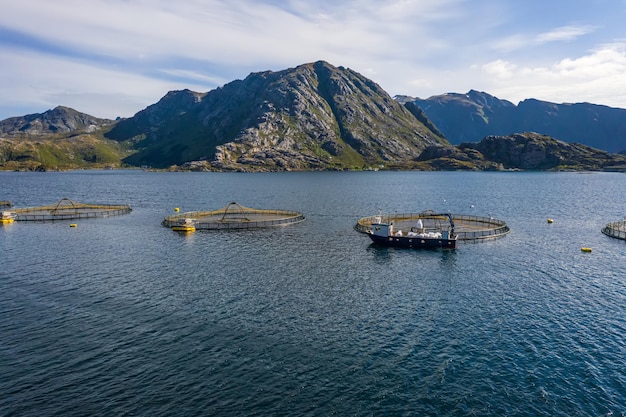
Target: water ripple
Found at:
121, 316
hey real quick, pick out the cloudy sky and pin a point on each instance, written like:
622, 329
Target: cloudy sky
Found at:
113, 58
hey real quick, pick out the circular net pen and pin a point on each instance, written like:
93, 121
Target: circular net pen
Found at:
616, 230
66, 209
234, 216
467, 227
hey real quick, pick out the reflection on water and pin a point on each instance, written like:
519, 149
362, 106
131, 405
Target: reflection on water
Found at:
385, 255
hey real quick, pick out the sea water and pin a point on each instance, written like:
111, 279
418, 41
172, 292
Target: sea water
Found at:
121, 316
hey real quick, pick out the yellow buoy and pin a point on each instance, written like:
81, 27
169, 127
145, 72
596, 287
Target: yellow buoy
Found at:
585, 249
550, 221
176, 209
73, 225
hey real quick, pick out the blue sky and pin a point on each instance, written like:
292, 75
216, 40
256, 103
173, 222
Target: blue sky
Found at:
113, 58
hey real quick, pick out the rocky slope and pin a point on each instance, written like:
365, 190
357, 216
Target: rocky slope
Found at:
472, 116
525, 151
314, 116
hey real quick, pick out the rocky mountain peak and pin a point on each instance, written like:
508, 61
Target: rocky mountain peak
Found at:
313, 116
61, 119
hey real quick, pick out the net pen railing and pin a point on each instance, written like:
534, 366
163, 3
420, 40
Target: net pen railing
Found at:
247, 218
69, 210
491, 228
616, 230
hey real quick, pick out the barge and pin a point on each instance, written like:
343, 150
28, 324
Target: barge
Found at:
433, 230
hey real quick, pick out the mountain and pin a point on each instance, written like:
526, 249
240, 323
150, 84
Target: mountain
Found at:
472, 116
59, 120
314, 116
311, 117
61, 138
521, 151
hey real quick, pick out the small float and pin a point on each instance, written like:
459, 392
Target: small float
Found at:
432, 230
184, 225
7, 217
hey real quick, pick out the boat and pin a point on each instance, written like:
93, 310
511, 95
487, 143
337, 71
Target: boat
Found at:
436, 234
184, 225
7, 217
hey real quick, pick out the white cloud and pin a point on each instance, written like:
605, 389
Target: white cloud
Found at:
130, 49
45, 81
500, 69
523, 40
115, 57
597, 77
563, 34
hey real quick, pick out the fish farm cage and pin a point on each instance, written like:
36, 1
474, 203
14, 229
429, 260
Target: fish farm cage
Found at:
66, 209
467, 227
234, 216
616, 230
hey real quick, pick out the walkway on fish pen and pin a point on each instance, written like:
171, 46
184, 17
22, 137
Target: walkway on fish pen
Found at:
66, 209
616, 230
468, 227
235, 216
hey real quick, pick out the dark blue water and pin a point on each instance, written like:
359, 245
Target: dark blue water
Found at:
123, 317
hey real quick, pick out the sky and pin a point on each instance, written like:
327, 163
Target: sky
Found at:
113, 58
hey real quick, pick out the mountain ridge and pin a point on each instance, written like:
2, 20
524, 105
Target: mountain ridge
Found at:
472, 116
311, 117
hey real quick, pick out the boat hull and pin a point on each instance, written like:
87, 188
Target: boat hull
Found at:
413, 242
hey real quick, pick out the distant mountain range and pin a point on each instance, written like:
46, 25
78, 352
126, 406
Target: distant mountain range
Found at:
472, 116
311, 117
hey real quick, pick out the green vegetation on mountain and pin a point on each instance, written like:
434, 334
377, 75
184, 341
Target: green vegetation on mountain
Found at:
82, 151
58, 139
